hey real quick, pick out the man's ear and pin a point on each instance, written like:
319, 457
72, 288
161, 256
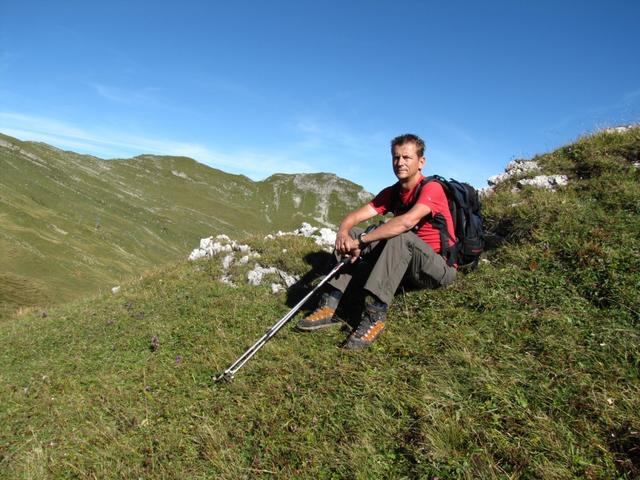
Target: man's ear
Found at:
422, 161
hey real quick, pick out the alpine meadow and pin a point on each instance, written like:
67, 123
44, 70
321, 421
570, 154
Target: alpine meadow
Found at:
527, 367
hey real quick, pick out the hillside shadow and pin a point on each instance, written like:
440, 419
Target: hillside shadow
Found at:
321, 264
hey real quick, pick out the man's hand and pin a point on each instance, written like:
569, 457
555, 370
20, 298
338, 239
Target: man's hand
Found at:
345, 245
343, 242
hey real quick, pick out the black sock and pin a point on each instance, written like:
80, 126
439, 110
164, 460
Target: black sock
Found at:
335, 293
375, 302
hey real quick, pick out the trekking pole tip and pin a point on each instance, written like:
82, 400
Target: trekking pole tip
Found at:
224, 376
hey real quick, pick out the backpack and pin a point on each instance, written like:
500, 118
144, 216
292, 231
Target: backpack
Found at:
465, 206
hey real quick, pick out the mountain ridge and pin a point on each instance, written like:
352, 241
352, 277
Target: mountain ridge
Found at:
78, 222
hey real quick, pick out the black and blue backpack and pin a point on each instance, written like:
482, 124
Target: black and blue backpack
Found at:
465, 207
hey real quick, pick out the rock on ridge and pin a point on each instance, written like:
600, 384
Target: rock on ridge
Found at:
621, 128
549, 182
514, 168
522, 167
324, 237
210, 247
518, 168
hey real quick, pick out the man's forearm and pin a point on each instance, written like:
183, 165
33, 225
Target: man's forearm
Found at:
398, 225
348, 223
394, 227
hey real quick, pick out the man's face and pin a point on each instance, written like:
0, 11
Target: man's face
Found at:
406, 162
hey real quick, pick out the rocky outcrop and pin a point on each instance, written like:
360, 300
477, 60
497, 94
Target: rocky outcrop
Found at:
519, 168
621, 128
325, 237
227, 248
514, 169
210, 247
549, 182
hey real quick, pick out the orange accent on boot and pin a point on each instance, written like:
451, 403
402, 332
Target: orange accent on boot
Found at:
321, 314
373, 332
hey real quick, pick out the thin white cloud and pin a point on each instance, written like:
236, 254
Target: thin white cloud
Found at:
41, 125
55, 140
228, 87
255, 164
623, 110
143, 96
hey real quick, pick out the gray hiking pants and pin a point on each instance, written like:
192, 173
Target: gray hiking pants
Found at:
387, 262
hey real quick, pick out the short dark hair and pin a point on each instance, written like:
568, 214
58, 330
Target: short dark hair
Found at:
409, 138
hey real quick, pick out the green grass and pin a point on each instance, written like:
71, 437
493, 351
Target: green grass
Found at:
527, 367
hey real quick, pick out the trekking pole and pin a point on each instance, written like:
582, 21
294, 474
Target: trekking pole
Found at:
230, 372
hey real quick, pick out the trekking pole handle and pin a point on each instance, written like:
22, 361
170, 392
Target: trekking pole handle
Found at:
346, 260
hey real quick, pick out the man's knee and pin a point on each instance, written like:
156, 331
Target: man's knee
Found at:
355, 231
402, 239
405, 240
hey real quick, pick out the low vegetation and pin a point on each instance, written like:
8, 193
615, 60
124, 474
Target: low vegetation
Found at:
527, 367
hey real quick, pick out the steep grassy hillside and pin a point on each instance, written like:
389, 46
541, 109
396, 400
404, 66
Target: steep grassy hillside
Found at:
72, 224
527, 367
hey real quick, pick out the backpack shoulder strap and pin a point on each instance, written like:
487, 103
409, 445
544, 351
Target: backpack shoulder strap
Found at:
439, 222
395, 197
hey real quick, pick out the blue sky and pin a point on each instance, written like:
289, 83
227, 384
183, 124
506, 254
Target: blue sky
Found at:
259, 87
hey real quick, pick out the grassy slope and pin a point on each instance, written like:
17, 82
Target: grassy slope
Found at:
72, 224
526, 368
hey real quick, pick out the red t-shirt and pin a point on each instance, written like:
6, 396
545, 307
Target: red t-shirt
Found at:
432, 195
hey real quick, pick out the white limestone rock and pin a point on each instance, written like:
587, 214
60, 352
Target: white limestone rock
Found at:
514, 168
255, 276
227, 261
197, 254
289, 280
549, 182
242, 248
209, 247
305, 230
326, 237
485, 192
621, 128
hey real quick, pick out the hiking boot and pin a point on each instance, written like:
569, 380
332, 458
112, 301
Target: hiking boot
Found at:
370, 327
322, 316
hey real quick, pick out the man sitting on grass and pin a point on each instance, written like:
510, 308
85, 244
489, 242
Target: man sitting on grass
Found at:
405, 247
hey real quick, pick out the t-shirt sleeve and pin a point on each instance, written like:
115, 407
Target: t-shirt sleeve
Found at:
432, 195
382, 202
